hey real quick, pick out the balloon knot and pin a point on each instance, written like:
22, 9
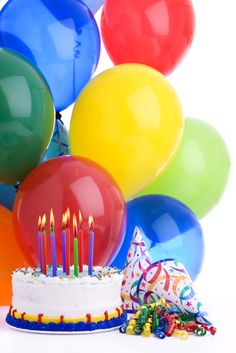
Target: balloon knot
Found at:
59, 116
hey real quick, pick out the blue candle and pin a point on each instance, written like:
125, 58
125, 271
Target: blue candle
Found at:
91, 246
53, 245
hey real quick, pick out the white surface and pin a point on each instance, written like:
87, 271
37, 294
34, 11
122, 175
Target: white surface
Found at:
71, 297
205, 82
12, 341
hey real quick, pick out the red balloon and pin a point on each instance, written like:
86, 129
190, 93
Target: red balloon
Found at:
156, 33
77, 183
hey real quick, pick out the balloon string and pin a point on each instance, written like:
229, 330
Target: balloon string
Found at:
58, 117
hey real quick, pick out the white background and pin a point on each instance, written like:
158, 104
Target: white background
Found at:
206, 84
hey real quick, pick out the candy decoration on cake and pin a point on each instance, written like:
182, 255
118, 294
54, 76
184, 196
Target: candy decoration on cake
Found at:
164, 320
138, 260
146, 282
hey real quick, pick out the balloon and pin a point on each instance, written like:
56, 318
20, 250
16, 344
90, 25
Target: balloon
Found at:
11, 256
59, 145
157, 33
129, 120
170, 230
61, 38
26, 117
199, 172
77, 183
94, 5
7, 195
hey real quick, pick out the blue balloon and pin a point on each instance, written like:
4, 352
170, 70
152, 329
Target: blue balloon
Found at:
170, 230
59, 145
7, 196
60, 37
94, 5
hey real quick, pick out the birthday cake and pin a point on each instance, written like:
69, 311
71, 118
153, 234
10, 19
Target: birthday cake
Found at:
66, 303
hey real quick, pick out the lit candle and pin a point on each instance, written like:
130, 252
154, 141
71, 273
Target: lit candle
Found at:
44, 246
40, 244
91, 246
53, 245
75, 230
81, 243
67, 242
64, 242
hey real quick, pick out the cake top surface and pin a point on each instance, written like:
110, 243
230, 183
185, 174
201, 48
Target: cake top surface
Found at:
101, 275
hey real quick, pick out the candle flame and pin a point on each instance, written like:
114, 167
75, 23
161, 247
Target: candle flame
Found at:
75, 227
91, 222
39, 223
80, 220
63, 220
67, 216
43, 224
52, 222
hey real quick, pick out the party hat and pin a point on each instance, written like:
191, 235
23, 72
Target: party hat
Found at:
170, 280
138, 260
145, 282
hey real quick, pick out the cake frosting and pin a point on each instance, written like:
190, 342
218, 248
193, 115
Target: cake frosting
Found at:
46, 299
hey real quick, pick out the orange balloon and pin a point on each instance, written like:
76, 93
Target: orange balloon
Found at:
11, 256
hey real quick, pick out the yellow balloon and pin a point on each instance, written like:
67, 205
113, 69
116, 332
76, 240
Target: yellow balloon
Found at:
129, 120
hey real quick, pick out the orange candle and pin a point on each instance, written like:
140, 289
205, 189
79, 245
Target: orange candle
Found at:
81, 243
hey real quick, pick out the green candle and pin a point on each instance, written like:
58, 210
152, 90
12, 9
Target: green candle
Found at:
76, 271
76, 257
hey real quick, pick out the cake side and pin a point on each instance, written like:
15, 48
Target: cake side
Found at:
67, 296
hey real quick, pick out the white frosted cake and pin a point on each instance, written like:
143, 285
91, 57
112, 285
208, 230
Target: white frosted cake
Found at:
66, 303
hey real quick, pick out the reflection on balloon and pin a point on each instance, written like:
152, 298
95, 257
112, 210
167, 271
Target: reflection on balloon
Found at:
59, 145
11, 256
170, 230
26, 117
77, 183
199, 172
129, 120
157, 33
61, 38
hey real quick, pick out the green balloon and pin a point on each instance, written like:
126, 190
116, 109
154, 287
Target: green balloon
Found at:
198, 174
26, 117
